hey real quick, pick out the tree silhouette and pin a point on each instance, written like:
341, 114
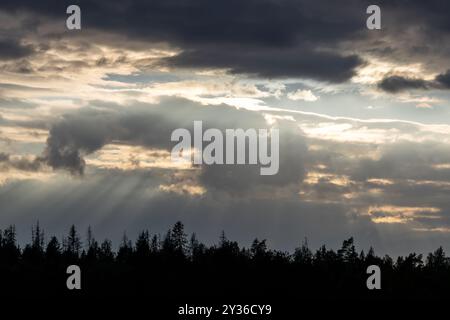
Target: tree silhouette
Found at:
143, 244
348, 252
106, 253
35, 251
303, 255
10, 252
437, 260
53, 250
179, 239
155, 266
37, 241
125, 250
72, 244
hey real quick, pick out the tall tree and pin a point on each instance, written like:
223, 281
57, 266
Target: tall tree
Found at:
142, 245
92, 246
37, 239
125, 249
179, 238
223, 239
10, 250
348, 253
72, 244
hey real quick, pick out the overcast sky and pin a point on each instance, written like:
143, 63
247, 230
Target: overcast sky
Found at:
364, 117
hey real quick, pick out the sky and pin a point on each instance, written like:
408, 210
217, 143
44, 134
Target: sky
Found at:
86, 118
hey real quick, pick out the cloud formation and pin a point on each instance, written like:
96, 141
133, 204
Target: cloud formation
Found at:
394, 84
259, 38
82, 133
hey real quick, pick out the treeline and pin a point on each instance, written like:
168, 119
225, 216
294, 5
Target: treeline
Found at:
178, 265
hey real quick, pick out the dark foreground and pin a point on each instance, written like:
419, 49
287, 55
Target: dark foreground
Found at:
171, 275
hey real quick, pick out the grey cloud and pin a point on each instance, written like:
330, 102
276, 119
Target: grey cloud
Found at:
19, 162
245, 179
88, 130
84, 132
406, 160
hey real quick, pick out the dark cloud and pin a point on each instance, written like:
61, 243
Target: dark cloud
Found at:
394, 84
444, 79
272, 63
12, 49
264, 38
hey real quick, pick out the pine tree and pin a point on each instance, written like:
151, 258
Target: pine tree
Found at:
92, 246
143, 245
179, 238
90, 237
193, 246
34, 252
154, 245
72, 244
11, 252
167, 244
125, 249
223, 240
348, 252
37, 242
106, 253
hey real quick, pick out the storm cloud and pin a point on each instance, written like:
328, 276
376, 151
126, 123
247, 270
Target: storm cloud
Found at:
265, 38
394, 84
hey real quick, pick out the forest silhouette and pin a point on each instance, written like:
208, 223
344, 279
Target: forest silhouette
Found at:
179, 266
